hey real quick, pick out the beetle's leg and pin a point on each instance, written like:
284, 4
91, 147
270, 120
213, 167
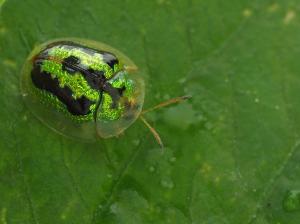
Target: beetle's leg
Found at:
153, 131
167, 103
163, 104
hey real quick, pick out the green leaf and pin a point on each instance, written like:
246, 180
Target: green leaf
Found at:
232, 151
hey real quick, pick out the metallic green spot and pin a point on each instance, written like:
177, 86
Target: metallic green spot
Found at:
107, 112
94, 61
76, 82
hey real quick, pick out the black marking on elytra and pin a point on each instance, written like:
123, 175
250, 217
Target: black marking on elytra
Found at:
44, 81
115, 93
70, 64
95, 78
110, 59
121, 90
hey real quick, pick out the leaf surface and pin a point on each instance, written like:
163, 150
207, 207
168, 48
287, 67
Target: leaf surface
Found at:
232, 151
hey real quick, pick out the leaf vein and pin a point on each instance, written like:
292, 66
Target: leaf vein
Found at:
73, 181
25, 183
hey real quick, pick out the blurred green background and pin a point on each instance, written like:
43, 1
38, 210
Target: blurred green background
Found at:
232, 152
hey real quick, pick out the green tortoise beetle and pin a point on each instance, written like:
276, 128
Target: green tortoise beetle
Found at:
84, 89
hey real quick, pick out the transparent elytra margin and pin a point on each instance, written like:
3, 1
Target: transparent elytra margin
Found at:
64, 124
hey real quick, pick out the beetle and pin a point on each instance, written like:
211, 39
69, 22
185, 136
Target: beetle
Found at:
85, 89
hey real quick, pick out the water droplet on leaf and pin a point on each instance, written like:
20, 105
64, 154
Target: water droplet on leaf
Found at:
114, 208
173, 159
151, 169
291, 201
208, 125
167, 183
181, 116
136, 142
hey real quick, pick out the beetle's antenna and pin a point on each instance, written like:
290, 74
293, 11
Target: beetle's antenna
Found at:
167, 103
153, 131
